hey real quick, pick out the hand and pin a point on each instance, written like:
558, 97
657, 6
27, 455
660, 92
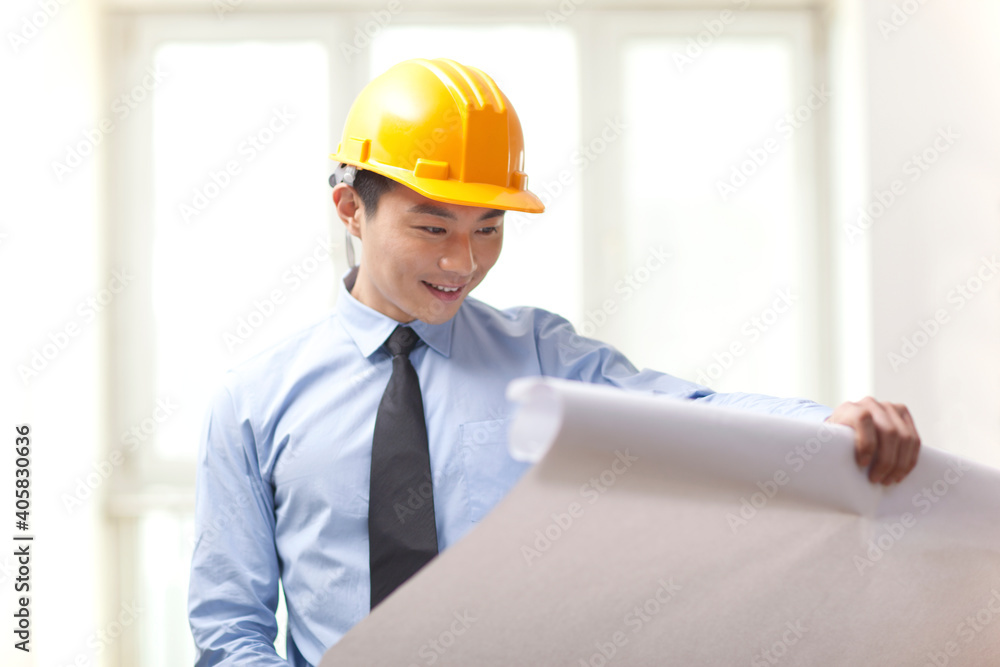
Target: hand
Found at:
884, 436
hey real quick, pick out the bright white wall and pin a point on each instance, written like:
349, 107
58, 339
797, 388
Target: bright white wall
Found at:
934, 69
50, 264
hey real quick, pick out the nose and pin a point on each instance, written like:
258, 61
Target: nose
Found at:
458, 257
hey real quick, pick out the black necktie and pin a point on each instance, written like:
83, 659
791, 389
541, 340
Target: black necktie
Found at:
402, 535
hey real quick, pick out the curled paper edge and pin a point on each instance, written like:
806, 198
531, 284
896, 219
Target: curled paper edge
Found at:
537, 418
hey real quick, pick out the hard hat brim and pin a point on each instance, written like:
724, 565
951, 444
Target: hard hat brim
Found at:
452, 191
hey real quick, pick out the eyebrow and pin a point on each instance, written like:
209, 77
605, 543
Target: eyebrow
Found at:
442, 212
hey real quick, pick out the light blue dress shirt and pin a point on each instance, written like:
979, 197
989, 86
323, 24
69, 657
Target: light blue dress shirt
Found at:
284, 460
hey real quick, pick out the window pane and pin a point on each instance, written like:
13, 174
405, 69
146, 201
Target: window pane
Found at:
166, 542
540, 263
165, 546
711, 178
240, 158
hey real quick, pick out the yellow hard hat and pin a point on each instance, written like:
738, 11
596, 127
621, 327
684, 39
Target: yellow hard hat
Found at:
444, 130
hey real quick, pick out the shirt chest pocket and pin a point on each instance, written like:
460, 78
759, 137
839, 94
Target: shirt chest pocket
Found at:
490, 472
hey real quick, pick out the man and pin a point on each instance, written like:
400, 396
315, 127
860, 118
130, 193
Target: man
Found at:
344, 458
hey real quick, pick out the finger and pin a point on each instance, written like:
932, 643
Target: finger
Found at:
904, 443
884, 464
909, 449
865, 438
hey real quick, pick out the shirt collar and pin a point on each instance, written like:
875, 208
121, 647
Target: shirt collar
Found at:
369, 328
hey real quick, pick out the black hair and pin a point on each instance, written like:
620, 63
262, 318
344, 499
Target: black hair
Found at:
370, 187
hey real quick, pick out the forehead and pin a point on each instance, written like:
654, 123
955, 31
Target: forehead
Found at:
407, 201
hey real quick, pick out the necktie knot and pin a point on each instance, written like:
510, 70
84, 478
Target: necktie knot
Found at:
401, 341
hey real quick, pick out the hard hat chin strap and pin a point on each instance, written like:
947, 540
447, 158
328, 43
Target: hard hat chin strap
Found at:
345, 173
349, 244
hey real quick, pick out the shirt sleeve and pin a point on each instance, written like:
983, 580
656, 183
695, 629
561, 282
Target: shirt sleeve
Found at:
565, 354
233, 591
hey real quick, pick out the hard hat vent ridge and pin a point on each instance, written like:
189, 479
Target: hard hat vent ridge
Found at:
466, 83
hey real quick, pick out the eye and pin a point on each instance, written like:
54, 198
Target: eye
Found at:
434, 230
490, 230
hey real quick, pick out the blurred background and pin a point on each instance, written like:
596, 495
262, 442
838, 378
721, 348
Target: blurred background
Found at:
798, 198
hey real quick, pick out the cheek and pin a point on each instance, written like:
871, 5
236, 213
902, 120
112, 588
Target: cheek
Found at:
405, 260
392, 252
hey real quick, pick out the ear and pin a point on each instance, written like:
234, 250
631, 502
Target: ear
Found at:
350, 208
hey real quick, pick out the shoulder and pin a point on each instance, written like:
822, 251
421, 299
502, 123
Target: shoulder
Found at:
280, 362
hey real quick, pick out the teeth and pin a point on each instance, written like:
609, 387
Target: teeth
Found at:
443, 289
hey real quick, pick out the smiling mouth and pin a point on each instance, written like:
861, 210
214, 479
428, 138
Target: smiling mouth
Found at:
445, 289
